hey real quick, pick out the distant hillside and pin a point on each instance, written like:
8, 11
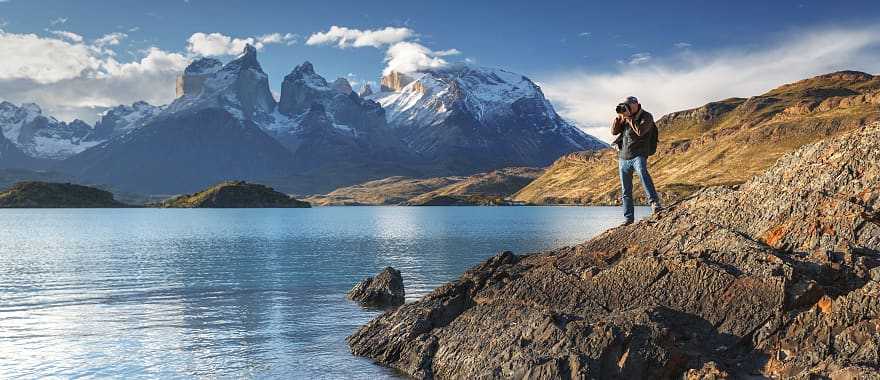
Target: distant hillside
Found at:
724, 142
387, 191
234, 194
490, 188
480, 189
33, 194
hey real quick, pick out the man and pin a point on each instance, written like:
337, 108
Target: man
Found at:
635, 129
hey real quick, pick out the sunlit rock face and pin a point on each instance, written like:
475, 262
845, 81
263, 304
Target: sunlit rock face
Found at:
192, 81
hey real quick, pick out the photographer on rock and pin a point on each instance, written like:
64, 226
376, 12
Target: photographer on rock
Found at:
637, 137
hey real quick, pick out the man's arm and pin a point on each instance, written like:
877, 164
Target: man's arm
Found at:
644, 124
617, 126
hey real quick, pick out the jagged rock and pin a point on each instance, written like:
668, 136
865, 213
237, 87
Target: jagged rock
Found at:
394, 81
342, 85
192, 81
366, 91
386, 289
724, 276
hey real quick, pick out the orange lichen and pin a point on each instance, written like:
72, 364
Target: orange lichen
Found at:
825, 304
775, 234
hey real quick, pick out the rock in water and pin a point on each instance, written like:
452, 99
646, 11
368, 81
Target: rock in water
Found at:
386, 289
770, 278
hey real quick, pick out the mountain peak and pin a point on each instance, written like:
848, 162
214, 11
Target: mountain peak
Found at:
342, 85
366, 90
394, 81
249, 52
305, 68
203, 66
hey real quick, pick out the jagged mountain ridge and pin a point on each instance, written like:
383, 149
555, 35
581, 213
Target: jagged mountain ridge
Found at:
330, 135
463, 114
207, 135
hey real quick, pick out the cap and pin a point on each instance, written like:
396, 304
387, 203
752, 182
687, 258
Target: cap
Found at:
631, 100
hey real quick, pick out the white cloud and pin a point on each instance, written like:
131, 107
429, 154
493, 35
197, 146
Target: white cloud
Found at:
72, 79
42, 59
277, 38
407, 57
682, 45
639, 58
692, 79
401, 54
217, 44
110, 39
59, 20
344, 37
68, 35
585, 34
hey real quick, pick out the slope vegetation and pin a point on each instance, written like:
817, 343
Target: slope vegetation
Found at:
725, 142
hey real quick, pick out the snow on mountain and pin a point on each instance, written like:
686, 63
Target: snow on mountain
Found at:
240, 87
122, 119
491, 106
41, 136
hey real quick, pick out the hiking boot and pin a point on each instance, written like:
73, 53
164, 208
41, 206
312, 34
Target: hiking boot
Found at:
656, 207
626, 223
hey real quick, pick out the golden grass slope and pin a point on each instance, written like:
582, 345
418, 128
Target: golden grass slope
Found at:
724, 142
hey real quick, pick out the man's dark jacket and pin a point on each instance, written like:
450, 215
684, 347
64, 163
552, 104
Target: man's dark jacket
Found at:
632, 145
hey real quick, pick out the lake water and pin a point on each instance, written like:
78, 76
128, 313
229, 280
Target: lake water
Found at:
147, 293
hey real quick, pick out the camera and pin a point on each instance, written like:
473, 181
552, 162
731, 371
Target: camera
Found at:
622, 108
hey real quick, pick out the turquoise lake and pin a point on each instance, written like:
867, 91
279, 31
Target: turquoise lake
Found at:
232, 293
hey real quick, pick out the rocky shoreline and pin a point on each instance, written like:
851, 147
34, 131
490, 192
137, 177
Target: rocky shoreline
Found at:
777, 277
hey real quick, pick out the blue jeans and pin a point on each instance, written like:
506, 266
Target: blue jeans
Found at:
640, 166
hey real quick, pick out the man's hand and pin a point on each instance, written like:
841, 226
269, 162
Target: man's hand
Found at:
617, 124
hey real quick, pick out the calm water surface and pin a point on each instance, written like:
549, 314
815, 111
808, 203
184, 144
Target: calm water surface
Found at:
146, 293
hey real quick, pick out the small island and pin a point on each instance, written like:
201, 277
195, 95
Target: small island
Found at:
234, 194
35, 194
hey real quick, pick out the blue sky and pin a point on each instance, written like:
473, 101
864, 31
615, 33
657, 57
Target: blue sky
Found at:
548, 41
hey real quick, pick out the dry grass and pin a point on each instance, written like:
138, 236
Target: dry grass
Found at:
721, 143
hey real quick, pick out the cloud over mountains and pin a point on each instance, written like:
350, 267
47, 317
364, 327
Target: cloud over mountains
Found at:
403, 52
691, 79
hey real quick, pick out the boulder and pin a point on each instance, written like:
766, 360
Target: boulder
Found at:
384, 290
771, 278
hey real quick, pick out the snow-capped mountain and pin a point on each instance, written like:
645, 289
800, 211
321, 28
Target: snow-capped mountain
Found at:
208, 134
320, 135
43, 137
122, 119
478, 118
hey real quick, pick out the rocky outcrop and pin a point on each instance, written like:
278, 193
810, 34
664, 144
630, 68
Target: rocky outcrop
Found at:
773, 278
394, 81
721, 143
192, 81
33, 194
234, 194
366, 91
342, 85
384, 290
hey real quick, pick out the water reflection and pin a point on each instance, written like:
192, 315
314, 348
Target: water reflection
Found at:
232, 293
